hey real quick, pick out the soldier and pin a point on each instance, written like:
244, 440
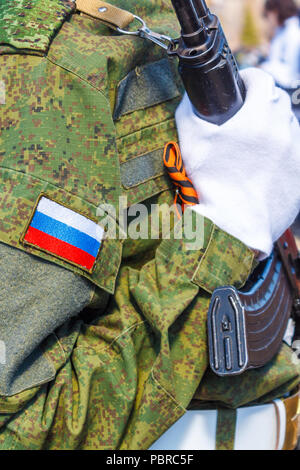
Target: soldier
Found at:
103, 340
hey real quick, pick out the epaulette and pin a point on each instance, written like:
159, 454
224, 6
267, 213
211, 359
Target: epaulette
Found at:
31, 24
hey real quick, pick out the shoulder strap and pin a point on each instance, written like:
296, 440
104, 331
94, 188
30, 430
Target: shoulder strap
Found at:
108, 14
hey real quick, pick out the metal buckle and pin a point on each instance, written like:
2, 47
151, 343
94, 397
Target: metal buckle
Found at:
226, 333
146, 33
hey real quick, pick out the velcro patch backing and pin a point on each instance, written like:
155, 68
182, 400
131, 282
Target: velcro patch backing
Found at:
146, 86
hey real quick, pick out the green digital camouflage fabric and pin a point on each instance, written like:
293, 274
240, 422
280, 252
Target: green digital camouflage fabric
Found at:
225, 433
26, 25
128, 368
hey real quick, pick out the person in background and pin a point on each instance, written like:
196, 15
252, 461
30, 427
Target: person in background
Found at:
283, 62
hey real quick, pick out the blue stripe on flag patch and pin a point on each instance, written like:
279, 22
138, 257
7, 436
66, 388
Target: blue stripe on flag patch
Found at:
65, 233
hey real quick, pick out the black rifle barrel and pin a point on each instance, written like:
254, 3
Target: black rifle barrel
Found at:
201, 8
207, 67
187, 16
193, 30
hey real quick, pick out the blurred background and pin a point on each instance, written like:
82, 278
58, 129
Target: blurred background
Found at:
266, 34
243, 22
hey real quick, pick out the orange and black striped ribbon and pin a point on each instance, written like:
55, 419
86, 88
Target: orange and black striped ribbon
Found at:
185, 190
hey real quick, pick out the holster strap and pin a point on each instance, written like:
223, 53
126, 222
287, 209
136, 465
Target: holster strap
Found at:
106, 13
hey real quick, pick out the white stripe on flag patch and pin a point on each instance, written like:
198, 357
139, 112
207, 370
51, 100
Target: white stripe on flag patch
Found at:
73, 219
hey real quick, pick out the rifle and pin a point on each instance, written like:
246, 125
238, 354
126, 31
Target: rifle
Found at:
206, 64
246, 327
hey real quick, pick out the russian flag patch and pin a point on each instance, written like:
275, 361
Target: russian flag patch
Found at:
64, 233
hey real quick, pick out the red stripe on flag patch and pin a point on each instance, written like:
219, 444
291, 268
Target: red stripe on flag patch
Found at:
59, 248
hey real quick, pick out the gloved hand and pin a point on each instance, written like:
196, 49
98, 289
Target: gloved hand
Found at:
247, 171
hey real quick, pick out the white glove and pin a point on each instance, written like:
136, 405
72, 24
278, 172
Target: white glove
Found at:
247, 171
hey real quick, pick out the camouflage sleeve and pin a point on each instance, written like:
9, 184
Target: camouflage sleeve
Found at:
127, 376
123, 379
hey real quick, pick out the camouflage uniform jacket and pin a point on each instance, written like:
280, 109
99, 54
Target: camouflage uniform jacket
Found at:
83, 123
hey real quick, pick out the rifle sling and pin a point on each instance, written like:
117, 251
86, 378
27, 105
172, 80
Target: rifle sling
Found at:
108, 14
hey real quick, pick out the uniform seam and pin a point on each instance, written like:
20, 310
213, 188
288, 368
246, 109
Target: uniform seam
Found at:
205, 255
108, 347
30, 387
169, 395
54, 62
48, 33
134, 157
136, 325
20, 51
48, 183
61, 347
125, 332
168, 120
